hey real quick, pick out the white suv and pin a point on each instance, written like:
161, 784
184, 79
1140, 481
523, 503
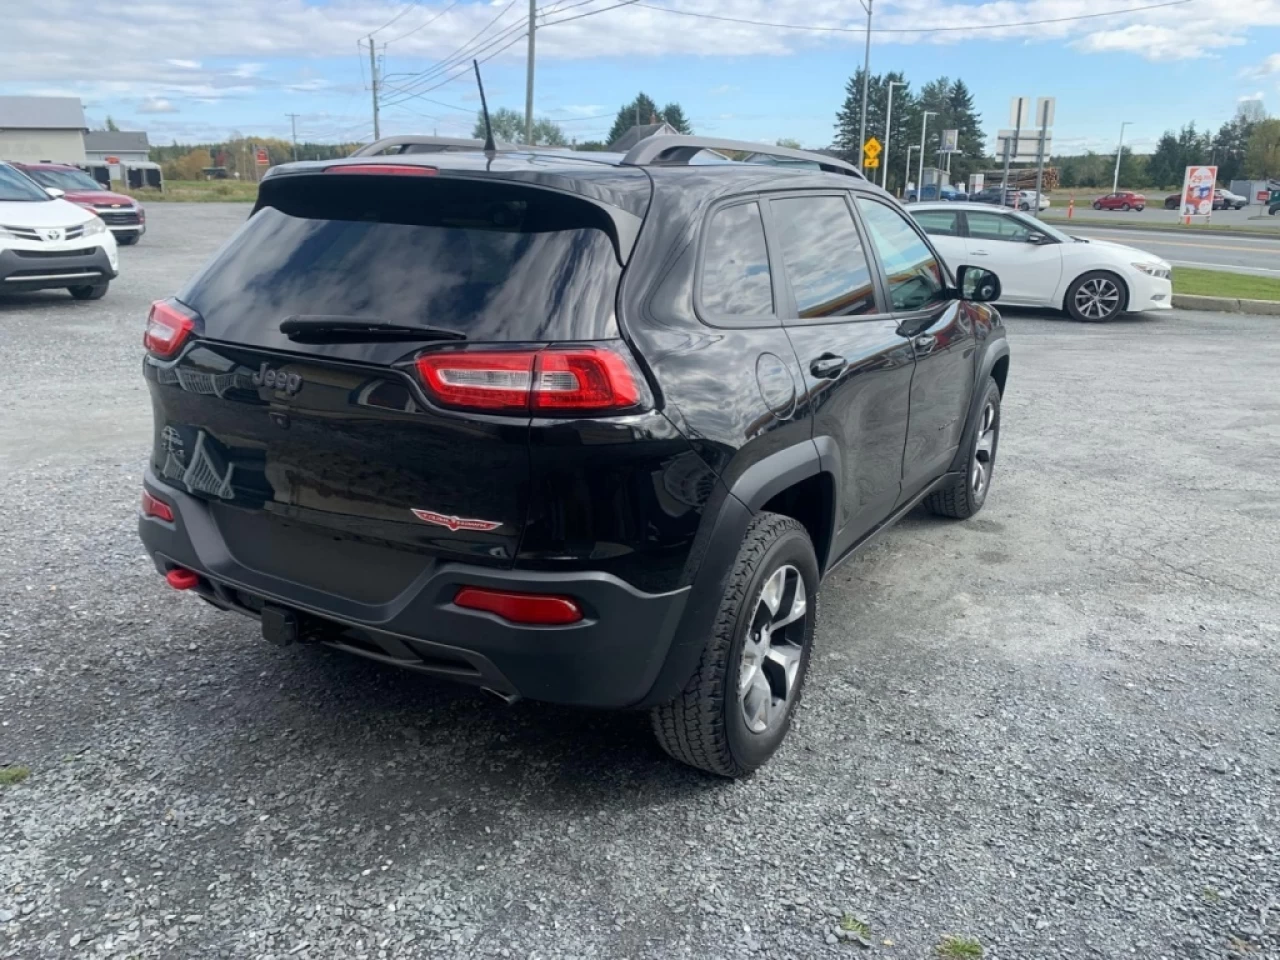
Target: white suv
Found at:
46, 242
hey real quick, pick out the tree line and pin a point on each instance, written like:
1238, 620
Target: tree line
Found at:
238, 155
508, 124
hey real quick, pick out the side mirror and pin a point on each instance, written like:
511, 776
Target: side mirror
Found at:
1037, 238
978, 285
55, 192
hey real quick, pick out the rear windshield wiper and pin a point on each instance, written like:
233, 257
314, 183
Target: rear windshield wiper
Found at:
327, 329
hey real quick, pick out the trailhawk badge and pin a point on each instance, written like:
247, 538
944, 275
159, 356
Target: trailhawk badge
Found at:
455, 523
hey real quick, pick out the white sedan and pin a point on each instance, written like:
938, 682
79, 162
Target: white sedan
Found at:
1040, 266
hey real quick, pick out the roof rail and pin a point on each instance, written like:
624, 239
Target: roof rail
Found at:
671, 150
416, 143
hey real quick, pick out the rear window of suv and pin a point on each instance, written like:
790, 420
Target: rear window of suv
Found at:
492, 261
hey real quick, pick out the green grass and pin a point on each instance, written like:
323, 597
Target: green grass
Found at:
958, 948
1254, 228
11, 775
200, 191
1220, 283
854, 925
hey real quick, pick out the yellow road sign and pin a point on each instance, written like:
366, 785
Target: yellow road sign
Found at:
871, 149
870, 163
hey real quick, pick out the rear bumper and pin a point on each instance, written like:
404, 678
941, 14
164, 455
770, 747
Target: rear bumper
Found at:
34, 270
611, 659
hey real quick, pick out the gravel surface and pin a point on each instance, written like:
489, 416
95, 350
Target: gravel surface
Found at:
1053, 728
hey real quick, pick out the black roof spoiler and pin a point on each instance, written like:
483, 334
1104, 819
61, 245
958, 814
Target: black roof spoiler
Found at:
674, 150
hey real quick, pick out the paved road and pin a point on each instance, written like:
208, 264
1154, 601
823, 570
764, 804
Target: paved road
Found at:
1253, 217
1055, 728
1254, 255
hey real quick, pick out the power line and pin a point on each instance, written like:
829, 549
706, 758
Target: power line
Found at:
427, 24
974, 28
407, 7
462, 51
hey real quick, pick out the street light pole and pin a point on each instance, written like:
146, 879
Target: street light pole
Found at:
906, 172
924, 125
1115, 183
866, 79
888, 119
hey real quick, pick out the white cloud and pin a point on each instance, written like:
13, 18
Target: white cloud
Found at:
156, 105
723, 89
184, 64
1157, 43
1250, 96
1267, 68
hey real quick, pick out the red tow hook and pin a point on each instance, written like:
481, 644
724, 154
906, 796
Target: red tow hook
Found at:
181, 579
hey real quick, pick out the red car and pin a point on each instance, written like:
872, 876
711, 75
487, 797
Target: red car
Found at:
1124, 200
123, 215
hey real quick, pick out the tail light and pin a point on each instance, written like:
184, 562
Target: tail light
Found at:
182, 579
532, 608
168, 327
155, 507
557, 381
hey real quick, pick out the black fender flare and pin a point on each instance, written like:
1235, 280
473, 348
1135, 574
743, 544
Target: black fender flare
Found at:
997, 349
716, 550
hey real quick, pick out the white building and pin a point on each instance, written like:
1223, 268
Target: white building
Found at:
127, 146
33, 129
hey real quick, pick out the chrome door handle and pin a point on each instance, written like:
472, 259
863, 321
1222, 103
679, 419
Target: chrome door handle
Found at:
925, 342
979, 253
828, 365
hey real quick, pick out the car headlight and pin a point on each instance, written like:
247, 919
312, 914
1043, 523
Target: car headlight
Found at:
1160, 270
94, 227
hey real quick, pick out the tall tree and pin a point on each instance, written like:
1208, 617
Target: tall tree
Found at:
508, 125
1231, 143
673, 114
640, 110
848, 121
110, 124
1263, 156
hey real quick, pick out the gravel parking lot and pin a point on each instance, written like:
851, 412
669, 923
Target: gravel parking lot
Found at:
1053, 729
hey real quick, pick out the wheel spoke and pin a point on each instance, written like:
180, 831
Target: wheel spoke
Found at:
771, 656
757, 703
797, 609
771, 596
786, 657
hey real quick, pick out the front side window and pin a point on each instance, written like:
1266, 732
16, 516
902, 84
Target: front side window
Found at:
17, 187
823, 256
916, 279
65, 179
735, 264
993, 226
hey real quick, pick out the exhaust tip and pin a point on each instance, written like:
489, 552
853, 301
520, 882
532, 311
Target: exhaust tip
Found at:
182, 579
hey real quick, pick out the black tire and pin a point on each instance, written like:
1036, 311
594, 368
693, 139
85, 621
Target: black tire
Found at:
1140, 209
129, 239
1125, 207
1077, 312
89, 292
1097, 205
963, 496
1171, 204
705, 726
1024, 207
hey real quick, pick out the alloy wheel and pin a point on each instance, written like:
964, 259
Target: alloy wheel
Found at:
773, 650
1098, 298
984, 452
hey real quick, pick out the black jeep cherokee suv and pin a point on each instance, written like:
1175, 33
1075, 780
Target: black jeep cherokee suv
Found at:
584, 428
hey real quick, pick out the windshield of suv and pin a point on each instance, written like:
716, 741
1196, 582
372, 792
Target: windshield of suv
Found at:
488, 260
65, 179
17, 186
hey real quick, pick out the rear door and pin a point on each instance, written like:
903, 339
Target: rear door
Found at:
857, 366
305, 447
1029, 272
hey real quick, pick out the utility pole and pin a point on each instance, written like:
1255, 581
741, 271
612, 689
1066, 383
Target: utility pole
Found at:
1045, 105
528, 84
866, 79
906, 172
373, 84
924, 125
293, 125
1115, 183
888, 119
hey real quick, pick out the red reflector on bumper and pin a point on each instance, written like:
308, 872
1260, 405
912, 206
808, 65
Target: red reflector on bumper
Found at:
155, 507
181, 579
532, 608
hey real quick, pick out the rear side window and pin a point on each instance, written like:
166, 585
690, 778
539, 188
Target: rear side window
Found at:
914, 273
994, 226
492, 261
939, 223
735, 265
823, 256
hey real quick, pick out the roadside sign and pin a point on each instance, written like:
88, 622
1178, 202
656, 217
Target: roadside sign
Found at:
1197, 192
870, 164
950, 141
1045, 107
871, 149
262, 157
1020, 111
113, 160
1026, 148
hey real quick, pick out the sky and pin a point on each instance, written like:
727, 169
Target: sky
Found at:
190, 70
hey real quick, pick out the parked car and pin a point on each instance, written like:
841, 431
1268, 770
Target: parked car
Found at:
1222, 200
583, 433
47, 243
948, 194
123, 215
1006, 197
1028, 198
1274, 208
1124, 200
1039, 266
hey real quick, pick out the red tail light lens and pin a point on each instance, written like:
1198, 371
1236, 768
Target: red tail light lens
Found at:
167, 329
531, 608
182, 579
155, 507
555, 381
388, 169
